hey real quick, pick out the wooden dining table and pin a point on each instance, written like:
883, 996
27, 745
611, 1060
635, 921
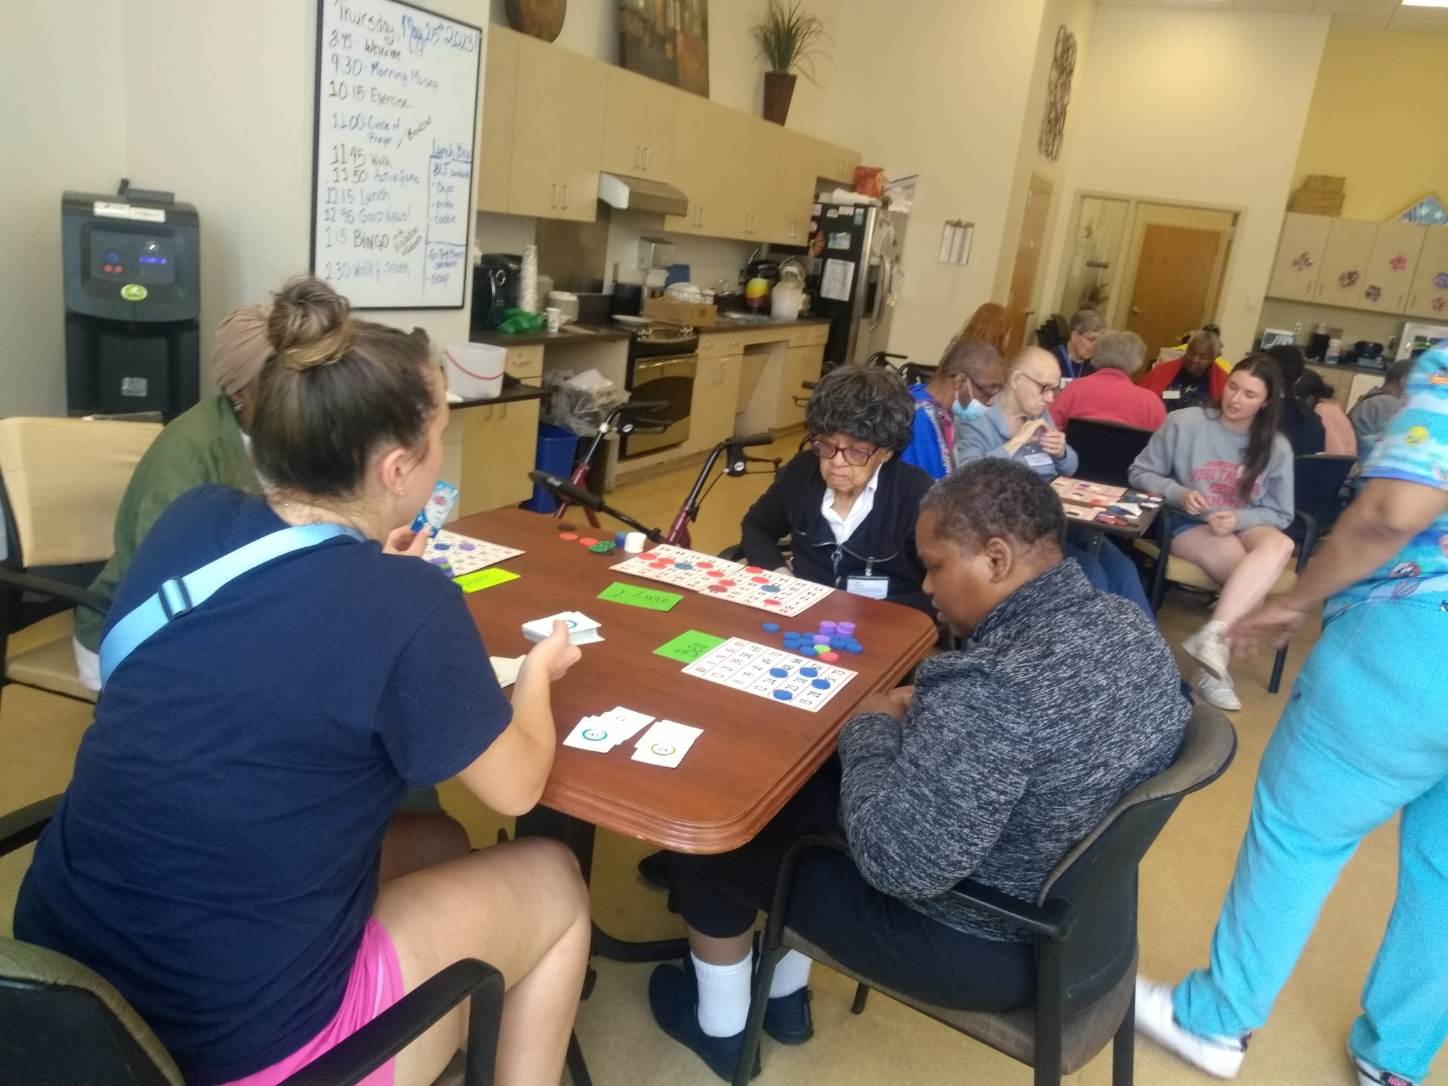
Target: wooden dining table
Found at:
754, 753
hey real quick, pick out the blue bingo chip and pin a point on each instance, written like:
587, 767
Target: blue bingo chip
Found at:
821, 684
783, 695
779, 672
771, 627
809, 672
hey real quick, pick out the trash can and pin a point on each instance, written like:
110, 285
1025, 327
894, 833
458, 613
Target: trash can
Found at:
556, 447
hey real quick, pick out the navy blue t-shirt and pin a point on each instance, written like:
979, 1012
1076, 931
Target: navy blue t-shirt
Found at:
215, 856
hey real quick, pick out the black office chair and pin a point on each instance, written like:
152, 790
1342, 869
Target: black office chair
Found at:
1052, 332
61, 1022
1317, 486
1106, 449
1083, 920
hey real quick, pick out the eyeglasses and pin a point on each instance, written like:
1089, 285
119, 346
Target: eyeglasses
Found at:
1045, 388
855, 455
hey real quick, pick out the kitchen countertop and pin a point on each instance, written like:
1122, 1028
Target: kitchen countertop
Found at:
591, 333
1377, 372
726, 325
514, 391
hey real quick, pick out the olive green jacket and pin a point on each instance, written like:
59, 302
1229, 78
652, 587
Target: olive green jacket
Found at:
203, 445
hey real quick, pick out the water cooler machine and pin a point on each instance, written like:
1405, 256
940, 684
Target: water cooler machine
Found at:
132, 272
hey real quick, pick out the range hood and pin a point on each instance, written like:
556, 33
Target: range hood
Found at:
641, 194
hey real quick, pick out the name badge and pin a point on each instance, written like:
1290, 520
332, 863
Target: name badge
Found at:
1171, 394
875, 588
1066, 381
1038, 460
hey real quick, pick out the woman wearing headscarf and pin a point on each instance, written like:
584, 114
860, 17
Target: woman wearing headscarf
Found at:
206, 444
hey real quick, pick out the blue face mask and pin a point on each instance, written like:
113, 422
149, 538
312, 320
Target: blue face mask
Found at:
964, 415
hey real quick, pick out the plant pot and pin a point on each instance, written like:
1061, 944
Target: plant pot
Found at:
538, 18
778, 90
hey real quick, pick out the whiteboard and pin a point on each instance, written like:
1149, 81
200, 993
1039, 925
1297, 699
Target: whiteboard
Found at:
395, 127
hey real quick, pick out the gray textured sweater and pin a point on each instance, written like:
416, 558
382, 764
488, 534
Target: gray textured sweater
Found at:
1194, 451
1012, 750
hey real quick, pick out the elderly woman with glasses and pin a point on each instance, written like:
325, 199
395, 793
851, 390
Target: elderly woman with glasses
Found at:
846, 502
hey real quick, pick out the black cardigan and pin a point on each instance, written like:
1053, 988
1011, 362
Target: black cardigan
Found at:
885, 539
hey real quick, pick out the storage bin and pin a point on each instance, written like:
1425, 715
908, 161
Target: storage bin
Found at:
475, 370
555, 456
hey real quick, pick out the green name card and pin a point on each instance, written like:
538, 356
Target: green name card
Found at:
689, 646
651, 599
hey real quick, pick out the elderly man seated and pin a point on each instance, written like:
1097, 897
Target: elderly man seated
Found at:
1018, 427
1077, 356
848, 502
963, 387
1109, 395
998, 760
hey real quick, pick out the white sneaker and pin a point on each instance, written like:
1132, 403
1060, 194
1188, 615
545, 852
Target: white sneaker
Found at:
1215, 691
1208, 647
1368, 1075
1219, 1056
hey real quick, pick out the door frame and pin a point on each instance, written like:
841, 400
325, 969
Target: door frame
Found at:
1127, 259
1021, 335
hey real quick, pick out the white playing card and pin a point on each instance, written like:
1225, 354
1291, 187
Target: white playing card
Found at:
594, 733
506, 668
626, 723
666, 743
582, 630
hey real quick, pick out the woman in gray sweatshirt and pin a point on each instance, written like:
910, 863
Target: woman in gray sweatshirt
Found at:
1227, 474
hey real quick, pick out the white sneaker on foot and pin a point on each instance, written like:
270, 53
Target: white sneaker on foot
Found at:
1208, 647
1219, 1056
1368, 1075
1215, 691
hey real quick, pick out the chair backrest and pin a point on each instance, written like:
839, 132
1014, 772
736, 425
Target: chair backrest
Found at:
61, 1022
1098, 875
1106, 449
1316, 483
62, 482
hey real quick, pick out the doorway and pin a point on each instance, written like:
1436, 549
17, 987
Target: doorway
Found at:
1028, 260
1154, 268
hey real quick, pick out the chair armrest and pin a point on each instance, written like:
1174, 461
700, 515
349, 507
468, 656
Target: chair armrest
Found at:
19, 828
407, 1019
1054, 919
29, 582
1309, 537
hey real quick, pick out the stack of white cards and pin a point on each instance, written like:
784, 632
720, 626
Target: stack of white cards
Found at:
506, 668
582, 630
665, 743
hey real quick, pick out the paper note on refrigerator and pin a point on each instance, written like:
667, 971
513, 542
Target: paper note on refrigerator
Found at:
838, 278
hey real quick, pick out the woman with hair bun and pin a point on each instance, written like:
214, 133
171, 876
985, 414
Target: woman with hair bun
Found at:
216, 856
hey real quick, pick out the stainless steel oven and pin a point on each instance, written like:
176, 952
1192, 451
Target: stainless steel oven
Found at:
661, 366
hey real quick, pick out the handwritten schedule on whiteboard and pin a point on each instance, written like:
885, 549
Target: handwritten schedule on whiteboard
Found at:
397, 99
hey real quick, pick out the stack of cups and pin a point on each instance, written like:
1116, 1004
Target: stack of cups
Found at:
528, 288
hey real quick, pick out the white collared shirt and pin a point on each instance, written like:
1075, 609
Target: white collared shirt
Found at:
844, 527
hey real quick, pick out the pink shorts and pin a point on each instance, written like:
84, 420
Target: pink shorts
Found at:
374, 984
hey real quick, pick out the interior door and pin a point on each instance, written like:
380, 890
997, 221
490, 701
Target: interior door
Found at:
1173, 283
1028, 259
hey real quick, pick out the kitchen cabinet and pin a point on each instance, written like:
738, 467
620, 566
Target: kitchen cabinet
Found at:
638, 125
1344, 262
498, 446
716, 390
1391, 264
786, 214
495, 148
835, 163
1299, 256
701, 166
1428, 292
557, 132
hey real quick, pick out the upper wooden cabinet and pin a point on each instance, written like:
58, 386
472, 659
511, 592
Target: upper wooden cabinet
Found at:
1428, 293
1349, 246
557, 132
495, 150
552, 119
1299, 256
639, 126
1390, 267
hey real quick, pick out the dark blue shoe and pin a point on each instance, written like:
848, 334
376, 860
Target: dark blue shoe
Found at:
674, 999
787, 1018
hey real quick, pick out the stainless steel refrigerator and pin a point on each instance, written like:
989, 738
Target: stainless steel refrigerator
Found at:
854, 271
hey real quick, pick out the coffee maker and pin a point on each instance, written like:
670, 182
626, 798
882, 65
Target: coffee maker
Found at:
495, 288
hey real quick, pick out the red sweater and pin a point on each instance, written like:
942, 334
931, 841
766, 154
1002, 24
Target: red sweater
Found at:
1109, 396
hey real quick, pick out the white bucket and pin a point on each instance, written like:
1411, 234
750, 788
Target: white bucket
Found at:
475, 370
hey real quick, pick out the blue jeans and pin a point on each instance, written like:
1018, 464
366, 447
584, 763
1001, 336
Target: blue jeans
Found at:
1111, 571
1363, 737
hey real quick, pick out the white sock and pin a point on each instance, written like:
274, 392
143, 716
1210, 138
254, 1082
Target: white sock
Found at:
790, 975
723, 996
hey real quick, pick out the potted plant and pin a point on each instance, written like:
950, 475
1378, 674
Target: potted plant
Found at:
788, 40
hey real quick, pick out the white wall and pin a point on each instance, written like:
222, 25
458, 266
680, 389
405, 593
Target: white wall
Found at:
1199, 107
63, 85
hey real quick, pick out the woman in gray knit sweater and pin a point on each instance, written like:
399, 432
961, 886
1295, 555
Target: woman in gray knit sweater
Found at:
998, 760
1227, 474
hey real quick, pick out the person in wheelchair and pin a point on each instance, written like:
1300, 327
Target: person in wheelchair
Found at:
847, 502
991, 767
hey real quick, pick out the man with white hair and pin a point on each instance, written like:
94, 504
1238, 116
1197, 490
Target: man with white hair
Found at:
1109, 394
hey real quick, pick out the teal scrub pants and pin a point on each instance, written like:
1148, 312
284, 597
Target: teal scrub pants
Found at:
1364, 736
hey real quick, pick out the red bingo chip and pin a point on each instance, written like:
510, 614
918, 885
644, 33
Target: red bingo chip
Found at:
753, 569
568, 537
760, 580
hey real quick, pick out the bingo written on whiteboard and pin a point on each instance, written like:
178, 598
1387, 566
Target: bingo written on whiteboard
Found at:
396, 117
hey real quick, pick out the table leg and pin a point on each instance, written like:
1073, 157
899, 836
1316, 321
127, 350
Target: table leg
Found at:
578, 836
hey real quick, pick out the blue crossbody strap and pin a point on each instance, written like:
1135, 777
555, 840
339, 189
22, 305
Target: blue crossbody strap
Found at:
179, 595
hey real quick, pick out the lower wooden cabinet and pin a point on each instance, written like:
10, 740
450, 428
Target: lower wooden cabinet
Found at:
498, 442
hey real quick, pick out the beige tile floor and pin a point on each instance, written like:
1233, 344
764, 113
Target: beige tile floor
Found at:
1182, 884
